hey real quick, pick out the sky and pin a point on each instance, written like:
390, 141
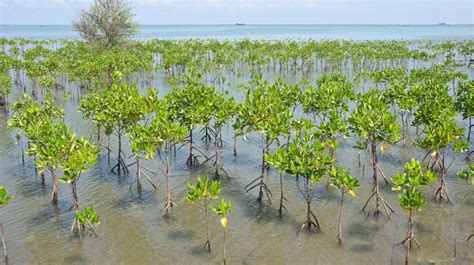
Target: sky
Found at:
153, 12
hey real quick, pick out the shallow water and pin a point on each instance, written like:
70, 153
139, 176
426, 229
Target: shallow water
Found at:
133, 231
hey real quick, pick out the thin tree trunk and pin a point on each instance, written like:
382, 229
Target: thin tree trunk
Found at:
282, 197
54, 195
260, 192
76, 225
119, 156
376, 176
469, 131
339, 231
224, 253
235, 145
169, 202
216, 154
208, 242
409, 237
98, 134
191, 156
139, 176
379, 201
92, 250
5, 251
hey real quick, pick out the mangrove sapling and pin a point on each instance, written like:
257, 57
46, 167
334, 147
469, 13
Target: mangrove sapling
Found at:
374, 125
342, 180
5, 87
192, 106
116, 109
411, 200
141, 142
304, 157
81, 155
333, 128
204, 191
439, 134
465, 105
27, 112
50, 145
330, 102
224, 109
400, 94
162, 134
332, 94
466, 174
223, 209
297, 125
264, 112
4, 200
89, 220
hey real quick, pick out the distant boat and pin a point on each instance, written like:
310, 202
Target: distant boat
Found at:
442, 24
240, 24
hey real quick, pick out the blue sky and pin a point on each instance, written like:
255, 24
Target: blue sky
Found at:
253, 11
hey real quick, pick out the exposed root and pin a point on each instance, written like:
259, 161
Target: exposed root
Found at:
379, 201
311, 222
282, 198
258, 182
442, 191
169, 205
122, 167
208, 132
409, 240
340, 236
207, 245
192, 160
471, 236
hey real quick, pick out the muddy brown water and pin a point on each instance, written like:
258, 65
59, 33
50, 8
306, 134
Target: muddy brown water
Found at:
133, 231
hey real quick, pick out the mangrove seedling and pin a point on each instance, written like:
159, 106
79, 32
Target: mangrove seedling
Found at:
411, 199
141, 142
81, 155
224, 109
465, 105
438, 115
342, 180
204, 191
439, 135
49, 144
4, 200
223, 209
116, 109
304, 157
374, 125
89, 219
162, 135
192, 106
265, 113
466, 174
27, 112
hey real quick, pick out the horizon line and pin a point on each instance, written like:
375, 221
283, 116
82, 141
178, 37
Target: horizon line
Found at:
277, 24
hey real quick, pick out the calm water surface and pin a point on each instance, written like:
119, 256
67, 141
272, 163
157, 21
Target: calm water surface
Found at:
357, 32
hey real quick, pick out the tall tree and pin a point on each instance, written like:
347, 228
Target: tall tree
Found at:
108, 23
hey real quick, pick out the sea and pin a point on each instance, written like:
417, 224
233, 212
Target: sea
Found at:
240, 31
